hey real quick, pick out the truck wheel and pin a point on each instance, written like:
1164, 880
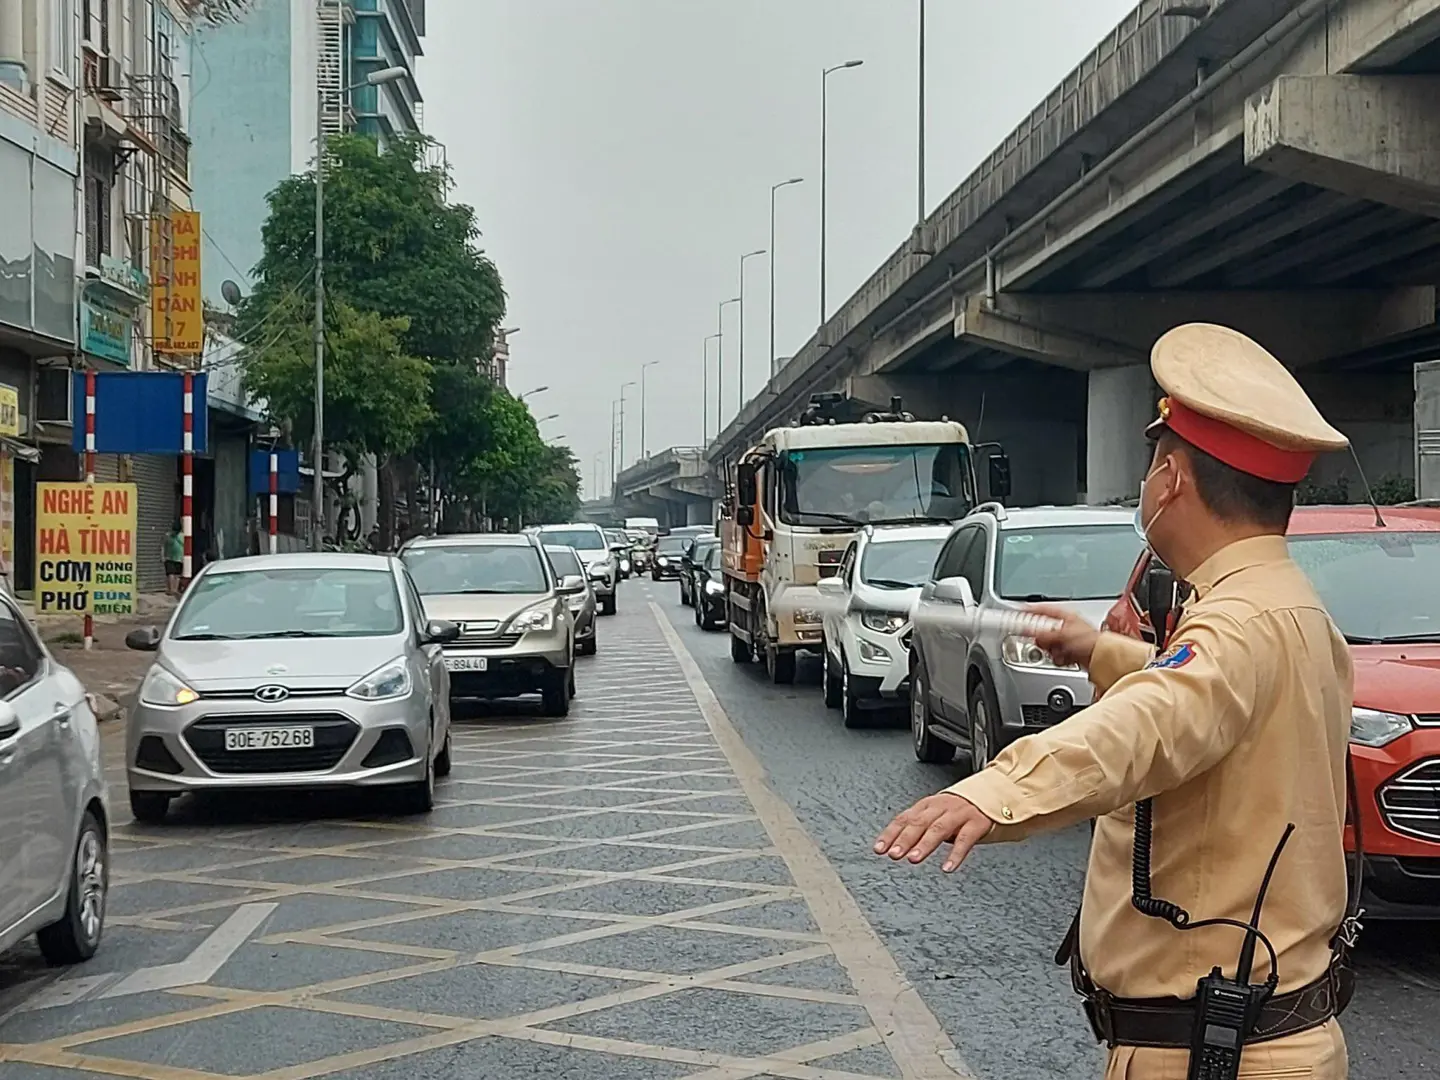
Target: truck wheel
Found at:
742, 652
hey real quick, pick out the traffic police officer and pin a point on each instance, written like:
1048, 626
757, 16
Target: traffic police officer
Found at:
1238, 729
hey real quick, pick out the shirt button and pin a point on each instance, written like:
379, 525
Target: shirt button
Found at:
1005, 813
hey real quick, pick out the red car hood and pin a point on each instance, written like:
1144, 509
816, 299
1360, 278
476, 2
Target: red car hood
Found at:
1397, 678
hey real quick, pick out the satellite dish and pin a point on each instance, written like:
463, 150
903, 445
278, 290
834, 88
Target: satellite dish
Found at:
231, 292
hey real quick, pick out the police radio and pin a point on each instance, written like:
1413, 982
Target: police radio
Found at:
1226, 1010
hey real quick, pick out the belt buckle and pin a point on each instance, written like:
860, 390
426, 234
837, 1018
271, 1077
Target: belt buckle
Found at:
1350, 928
1098, 1013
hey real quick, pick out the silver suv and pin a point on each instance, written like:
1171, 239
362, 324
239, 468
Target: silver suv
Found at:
982, 693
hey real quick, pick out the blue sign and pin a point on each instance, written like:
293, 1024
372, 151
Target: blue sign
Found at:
287, 466
105, 331
140, 412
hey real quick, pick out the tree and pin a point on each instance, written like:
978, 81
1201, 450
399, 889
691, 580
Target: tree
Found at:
377, 398
216, 12
393, 245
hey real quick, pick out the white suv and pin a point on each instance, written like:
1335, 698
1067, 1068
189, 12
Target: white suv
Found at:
54, 847
867, 613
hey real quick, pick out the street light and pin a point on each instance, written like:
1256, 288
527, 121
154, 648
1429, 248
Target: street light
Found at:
750, 255
705, 392
623, 388
644, 453
375, 78
528, 393
920, 143
547, 419
773, 189
720, 367
825, 166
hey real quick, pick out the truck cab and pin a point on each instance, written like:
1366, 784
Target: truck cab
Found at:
796, 500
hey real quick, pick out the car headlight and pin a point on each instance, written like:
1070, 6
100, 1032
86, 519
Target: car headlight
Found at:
663, 561
624, 566
806, 617
872, 652
162, 688
577, 602
535, 618
390, 681
882, 622
1023, 652
714, 588
1371, 727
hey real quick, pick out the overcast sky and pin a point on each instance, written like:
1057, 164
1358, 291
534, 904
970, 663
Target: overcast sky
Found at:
619, 154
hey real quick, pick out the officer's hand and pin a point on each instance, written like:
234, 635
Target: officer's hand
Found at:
1073, 643
935, 820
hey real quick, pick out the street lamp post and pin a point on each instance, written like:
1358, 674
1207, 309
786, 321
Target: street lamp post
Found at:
920, 143
741, 371
705, 393
531, 393
644, 451
720, 367
375, 78
824, 168
614, 473
623, 388
773, 189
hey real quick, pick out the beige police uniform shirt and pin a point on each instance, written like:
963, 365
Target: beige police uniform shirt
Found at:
1239, 728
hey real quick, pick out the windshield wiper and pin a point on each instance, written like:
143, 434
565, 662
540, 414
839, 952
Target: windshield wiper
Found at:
1351, 639
914, 519
283, 634
1041, 598
890, 583
1411, 639
842, 518
208, 637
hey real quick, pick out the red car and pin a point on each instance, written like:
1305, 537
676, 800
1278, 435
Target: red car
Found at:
1382, 588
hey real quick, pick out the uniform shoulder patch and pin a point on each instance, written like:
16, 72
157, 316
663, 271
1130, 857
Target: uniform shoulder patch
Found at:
1177, 656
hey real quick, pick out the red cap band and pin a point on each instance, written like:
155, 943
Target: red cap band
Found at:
1238, 449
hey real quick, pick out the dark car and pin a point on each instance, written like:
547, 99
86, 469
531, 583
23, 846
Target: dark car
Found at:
693, 558
668, 553
709, 590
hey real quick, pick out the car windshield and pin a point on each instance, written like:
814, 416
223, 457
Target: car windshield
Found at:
290, 602
565, 562
899, 564
579, 539
1065, 563
452, 569
673, 545
856, 484
1378, 587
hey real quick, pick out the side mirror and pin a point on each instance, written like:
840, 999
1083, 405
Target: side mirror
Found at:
955, 590
618, 548
9, 722
745, 484
1159, 595
745, 515
143, 639
831, 586
572, 583
1000, 476
440, 632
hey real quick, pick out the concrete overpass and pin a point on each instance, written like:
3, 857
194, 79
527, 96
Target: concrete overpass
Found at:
1271, 164
675, 486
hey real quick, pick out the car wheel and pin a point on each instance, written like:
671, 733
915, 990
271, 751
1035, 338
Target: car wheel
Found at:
76, 936
607, 605
849, 704
829, 682
984, 712
684, 594
699, 615
929, 748
419, 797
443, 763
556, 695
588, 648
149, 807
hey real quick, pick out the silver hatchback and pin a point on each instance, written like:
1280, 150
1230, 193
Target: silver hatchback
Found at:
981, 693
292, 671
54, 847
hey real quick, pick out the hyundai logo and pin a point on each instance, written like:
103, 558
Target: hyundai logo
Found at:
271, 694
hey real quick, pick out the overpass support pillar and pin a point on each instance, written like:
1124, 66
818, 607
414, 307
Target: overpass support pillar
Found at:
1374, 137
1122, 401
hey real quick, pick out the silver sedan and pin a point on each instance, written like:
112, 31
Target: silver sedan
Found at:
292, 671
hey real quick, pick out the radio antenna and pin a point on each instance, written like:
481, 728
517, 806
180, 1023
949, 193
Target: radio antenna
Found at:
1369, 494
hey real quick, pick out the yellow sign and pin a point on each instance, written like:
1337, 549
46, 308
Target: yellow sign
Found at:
9, 410
177, 314
85, 549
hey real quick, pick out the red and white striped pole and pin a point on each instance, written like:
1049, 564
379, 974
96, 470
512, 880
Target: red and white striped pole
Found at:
89, 475
187, 506
274, 502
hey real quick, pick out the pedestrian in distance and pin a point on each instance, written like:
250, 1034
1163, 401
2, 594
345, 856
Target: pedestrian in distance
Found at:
173, 554
1227, 750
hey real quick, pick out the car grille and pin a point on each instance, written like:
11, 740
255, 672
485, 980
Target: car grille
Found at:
1428, 720
247, 694
1042, 716
334, 735
488, 641
1410, 801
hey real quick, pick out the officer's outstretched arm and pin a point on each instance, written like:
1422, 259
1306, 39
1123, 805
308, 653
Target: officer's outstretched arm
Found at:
1152, 731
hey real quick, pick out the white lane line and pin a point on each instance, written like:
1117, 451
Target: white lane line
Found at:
914, 1037
199, 967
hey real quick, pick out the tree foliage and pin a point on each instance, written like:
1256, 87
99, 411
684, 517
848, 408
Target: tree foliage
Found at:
216, 12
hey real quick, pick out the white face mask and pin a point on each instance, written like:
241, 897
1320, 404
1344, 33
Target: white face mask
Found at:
1142, 527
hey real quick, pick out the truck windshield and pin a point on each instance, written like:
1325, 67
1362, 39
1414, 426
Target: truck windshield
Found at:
859, 484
